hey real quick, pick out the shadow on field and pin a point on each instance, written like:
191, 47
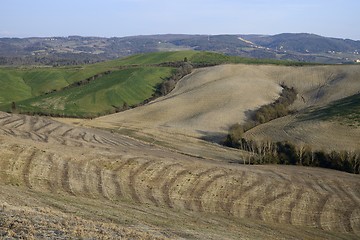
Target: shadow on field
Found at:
214, 137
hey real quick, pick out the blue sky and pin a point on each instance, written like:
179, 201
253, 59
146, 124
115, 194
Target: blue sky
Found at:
117, 18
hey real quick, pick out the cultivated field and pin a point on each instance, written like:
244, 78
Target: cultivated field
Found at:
207, 102
112, 185
147, 173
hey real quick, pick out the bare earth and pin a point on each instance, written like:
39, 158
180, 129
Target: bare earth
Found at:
150, 176
210, 100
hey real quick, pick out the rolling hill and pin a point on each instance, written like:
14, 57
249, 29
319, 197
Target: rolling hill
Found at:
101, 88
210, 100
83, 50
151, 173
109, 185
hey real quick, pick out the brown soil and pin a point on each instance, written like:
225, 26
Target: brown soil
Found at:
53, 175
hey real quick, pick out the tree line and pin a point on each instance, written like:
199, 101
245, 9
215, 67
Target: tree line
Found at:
267, 152
266, 113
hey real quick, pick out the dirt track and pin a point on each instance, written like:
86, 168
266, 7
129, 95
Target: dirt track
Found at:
49, 157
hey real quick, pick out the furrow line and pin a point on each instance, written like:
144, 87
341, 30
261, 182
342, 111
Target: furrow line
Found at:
203, 189
42, 127
169, 185
132, 179
115, 177
100, 185
64, 134
162, 173
65, 178
26, 169
191, 193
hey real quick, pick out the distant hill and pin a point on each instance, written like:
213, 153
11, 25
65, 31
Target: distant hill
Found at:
81, 50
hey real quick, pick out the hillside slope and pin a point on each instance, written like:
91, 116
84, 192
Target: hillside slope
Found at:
210, 100
109, 185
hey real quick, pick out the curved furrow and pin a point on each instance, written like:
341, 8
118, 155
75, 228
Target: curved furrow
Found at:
293, 204
134, 176
96, 139
273, 194
166, 188
234, 193
26, 168
190, 195
281, 213
199, 193
115, 177
53, 174
319, 210
243, 193
350, 204
40, 171
67, 132
107, 141
65, 178
163, 174
100, 186
42, 126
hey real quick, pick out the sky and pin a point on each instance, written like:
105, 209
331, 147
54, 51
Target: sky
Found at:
118, 18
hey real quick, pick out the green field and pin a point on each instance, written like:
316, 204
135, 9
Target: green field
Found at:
102, 96
131, 80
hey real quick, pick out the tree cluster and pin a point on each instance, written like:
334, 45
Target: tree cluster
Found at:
266, 152
277, 109
168, 84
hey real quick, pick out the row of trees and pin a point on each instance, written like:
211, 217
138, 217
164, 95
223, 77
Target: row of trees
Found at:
168, 84
267, 152
264, 114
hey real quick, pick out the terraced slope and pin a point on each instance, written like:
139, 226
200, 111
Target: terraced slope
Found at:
105, 170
